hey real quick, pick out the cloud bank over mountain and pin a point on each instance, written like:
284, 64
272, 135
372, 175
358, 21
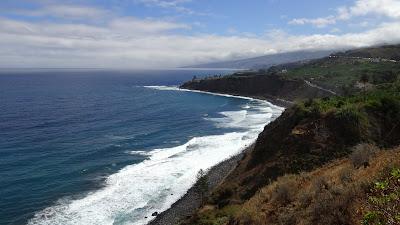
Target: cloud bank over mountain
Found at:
59, 34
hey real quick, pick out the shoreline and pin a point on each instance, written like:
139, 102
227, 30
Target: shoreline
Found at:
274, 101
191, 201
277, 102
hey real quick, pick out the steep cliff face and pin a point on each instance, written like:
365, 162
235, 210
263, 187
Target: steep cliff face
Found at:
271, 87
291, 144
307, 136
311, 134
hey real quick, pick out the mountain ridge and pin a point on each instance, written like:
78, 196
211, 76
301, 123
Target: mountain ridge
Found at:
265, 61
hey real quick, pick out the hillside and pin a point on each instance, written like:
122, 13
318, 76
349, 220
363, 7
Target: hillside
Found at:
389, 52
275, 88
334, 116
336, 193
339, 73
265, 61
332, 113
305, 138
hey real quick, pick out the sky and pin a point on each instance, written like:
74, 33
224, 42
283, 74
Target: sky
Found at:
172, 33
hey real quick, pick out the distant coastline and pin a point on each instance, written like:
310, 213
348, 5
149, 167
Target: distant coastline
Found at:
190, 202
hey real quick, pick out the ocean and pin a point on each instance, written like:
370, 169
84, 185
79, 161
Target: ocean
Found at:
94, 147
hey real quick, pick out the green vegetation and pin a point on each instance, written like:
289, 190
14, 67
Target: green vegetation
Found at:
359, 113
384, 200
359, 185
390, 52
344, 105
333, 193
213, 216
344, 69
202, 184
342, 72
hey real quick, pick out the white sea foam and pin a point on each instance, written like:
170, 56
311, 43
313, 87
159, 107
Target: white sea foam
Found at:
246, 106
138, 190
175, 88
143, 153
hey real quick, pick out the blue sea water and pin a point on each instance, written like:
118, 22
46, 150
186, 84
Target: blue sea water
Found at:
111, 147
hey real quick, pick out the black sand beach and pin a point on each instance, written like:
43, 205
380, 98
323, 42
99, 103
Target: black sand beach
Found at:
191, 201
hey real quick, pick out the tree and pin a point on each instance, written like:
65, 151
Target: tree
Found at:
202, 184
194, 78
364, 79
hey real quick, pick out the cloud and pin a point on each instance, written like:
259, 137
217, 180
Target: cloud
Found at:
386, 8
137, 26
130, 42
171, 4
67, 11
164, 3
335, 30
125, 43
319, 22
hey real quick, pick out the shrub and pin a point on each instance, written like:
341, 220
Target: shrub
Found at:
287, 219
362, 154
384, 77
350, 115
345, 175
331, 205
282, 193
221, 196
305, 198
353, 122
384, 200
202, 184
319, 184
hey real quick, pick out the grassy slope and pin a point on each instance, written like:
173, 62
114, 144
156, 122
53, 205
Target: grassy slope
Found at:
336, 193
310, 135
344, 69
339, 72
304, 138
384, 52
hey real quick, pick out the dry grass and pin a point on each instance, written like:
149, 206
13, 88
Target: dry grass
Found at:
337, 193
333, 194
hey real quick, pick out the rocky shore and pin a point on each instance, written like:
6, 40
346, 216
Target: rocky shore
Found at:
191, 201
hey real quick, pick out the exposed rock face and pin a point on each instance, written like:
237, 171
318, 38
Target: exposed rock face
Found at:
271, 87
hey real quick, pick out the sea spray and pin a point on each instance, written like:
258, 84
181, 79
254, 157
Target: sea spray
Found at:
131, 195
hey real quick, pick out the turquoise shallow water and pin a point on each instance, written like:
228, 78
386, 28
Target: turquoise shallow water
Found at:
98, 147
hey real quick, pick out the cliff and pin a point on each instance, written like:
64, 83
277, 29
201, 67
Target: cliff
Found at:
275, 88
305, 138
338, 142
